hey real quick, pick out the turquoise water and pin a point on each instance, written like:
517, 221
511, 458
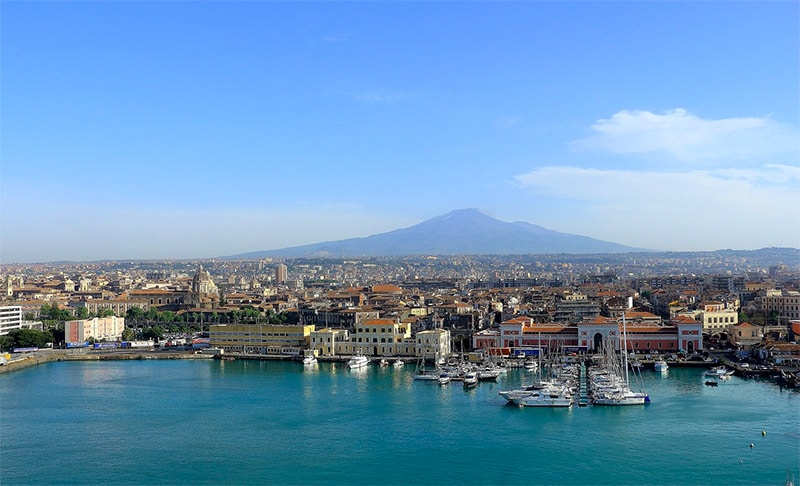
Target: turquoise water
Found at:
251, 422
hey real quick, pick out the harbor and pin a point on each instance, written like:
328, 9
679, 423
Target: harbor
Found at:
379, 421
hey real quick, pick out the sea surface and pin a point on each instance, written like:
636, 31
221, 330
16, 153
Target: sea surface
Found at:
256, 422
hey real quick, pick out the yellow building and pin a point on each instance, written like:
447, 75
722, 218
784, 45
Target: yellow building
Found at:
261, 338
324, 341
379, 337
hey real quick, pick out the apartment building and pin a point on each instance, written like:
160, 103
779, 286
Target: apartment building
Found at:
101, 329
10, 319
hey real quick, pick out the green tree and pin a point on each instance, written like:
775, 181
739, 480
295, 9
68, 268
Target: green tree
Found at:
152, 314
58, 334
128, 334
155, 333
29, 338
6, 342
83, 312
135, 314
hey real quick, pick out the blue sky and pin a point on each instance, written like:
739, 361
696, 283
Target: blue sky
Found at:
149, 130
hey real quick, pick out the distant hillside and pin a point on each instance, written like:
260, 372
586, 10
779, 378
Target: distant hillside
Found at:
460, 232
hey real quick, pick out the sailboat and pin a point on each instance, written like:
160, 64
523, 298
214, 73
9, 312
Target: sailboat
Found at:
611, 387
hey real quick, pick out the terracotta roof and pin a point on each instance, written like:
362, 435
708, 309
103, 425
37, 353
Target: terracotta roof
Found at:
386, 289
379, 322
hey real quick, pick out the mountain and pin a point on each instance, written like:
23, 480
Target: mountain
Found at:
460, 232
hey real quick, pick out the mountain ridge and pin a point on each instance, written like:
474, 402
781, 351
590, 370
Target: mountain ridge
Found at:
462, 231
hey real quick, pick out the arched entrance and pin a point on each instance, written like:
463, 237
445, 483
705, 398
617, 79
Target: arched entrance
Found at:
598, 342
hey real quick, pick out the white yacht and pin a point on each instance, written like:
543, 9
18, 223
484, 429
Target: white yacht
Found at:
544, 399
399, 363
357, 362
660, 365
719, 372
470, 379
310, 360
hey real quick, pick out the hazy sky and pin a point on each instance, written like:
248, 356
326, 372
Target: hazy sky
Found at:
185, 129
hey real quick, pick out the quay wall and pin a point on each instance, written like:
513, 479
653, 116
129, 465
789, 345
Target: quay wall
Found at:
34, 359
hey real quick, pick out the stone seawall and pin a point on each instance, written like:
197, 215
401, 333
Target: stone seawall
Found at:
40, 357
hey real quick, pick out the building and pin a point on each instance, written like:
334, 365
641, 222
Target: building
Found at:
281, 273
433, 344
162, 299
10, 319
785, 303
575, 309
324, 342
99, 328
522, 335
204, 292
381, 337
119, 307
717, 317
272, 339
744, 335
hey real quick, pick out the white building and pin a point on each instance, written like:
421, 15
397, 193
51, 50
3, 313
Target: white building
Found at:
10, 319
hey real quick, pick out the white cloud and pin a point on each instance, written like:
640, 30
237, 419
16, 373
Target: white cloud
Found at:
686, 137
694, 210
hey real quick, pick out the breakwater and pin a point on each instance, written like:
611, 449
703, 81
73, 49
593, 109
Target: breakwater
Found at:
18, 362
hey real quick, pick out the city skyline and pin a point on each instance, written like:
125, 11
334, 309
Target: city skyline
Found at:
157, 130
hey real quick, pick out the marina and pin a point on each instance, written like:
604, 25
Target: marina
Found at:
243, 421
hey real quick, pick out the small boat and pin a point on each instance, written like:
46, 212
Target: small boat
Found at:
444, 379
358, 361
310, 360
719, 372
383, 363
470, 379
488, 374
661, 365
426, 376
711, 383
399, 363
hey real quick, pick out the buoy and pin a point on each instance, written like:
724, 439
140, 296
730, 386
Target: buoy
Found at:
763, 433
752, 445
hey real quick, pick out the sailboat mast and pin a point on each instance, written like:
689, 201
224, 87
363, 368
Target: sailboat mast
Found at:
625, 346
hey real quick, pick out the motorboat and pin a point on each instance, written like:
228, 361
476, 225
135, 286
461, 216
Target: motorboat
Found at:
357, 362
660, 365
544, 399
399, 363
488, 374
383, 363
470, 379
310, 360
444, 379
719, 372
